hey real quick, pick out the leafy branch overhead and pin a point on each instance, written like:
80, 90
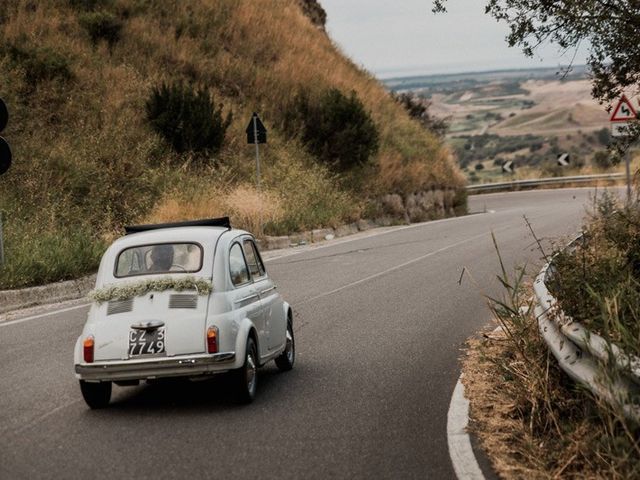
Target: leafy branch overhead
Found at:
610, 29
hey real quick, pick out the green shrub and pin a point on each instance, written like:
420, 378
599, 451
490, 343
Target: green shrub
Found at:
604, 136
337, 129
89, 4
605, 159
40, 63
102, 26
34, 257
187, 118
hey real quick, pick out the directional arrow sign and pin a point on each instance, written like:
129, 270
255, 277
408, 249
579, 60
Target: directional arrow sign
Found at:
5, 156
624, 111
256, 130
4, 115
563, 160
508, 167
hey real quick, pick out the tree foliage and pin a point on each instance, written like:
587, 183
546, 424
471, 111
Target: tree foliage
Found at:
418, 108
611, 28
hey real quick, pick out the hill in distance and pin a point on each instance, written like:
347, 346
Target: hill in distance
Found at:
526, 116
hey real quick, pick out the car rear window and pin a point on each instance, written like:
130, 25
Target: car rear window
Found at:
159, 258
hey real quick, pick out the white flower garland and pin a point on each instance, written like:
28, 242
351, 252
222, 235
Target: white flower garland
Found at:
124, 291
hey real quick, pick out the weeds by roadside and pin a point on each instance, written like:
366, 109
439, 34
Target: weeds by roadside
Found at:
598, 282
532, 420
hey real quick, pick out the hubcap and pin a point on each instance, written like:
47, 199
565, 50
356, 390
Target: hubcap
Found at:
290, 350
251, 373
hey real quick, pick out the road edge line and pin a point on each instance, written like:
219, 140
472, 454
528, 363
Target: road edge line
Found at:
461, 453
42, 315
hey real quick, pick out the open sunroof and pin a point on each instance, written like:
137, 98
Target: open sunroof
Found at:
209, 222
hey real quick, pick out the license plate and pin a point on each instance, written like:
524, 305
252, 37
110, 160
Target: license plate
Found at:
146, 342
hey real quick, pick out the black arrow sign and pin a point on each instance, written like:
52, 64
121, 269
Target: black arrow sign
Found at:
4, 115
256, 130
508, 167
5, 156
563, 159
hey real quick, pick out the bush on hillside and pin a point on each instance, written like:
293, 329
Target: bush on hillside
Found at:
605, 159
187, 118
89, 4
40, 63
102, 26
418, 108
337, 129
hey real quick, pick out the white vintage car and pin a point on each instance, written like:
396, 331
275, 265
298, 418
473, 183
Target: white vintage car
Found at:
185, 299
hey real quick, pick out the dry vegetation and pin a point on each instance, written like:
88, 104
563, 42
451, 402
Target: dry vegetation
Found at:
86, 161
532, 420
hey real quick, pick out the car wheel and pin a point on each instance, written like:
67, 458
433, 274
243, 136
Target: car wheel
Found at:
97, 395
246, 377
285, 361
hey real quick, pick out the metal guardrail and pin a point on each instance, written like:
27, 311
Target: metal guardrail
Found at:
539, 182
583, 354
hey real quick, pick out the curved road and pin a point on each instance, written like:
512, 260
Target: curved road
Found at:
381, 320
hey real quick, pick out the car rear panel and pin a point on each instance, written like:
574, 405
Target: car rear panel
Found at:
183, 315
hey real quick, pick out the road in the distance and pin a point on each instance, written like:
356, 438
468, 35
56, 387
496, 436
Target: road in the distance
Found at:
380, 324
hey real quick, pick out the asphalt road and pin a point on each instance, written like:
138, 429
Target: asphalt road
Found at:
380, 322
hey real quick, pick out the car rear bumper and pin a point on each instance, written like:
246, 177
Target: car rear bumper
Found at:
151, 368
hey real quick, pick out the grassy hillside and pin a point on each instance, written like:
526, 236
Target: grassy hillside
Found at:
77, 75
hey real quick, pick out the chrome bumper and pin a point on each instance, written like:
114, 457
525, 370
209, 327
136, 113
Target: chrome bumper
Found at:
156, 368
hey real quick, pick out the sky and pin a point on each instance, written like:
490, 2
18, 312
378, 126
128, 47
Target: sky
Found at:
403, 37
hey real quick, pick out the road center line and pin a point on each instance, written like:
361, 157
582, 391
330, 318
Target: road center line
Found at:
397, 267
47, 314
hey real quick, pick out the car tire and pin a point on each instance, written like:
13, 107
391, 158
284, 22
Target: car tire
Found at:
246, 377
286, 359
97, 395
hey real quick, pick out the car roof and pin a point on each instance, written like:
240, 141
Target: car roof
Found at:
202, 235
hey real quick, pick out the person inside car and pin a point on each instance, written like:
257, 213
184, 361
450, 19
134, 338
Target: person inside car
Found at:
161, 258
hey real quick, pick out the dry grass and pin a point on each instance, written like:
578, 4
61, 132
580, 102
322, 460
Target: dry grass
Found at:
247, 207
532, 420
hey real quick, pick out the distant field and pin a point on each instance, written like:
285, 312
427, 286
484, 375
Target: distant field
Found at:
525, 116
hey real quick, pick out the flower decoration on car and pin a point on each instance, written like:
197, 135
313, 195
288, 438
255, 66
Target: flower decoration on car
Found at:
128, 290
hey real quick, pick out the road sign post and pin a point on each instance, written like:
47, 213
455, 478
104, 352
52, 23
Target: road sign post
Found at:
5, 150
621, 115
256, 134
1, 243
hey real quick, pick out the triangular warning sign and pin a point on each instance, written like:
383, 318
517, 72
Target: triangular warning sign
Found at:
624, 111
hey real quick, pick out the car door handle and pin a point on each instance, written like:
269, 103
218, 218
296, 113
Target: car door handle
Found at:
247, 298
267, 290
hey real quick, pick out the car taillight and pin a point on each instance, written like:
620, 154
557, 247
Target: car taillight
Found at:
88, 349
212, 340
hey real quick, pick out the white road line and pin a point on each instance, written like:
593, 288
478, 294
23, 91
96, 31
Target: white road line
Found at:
397, 267
47, 314
460, 450
287, 252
